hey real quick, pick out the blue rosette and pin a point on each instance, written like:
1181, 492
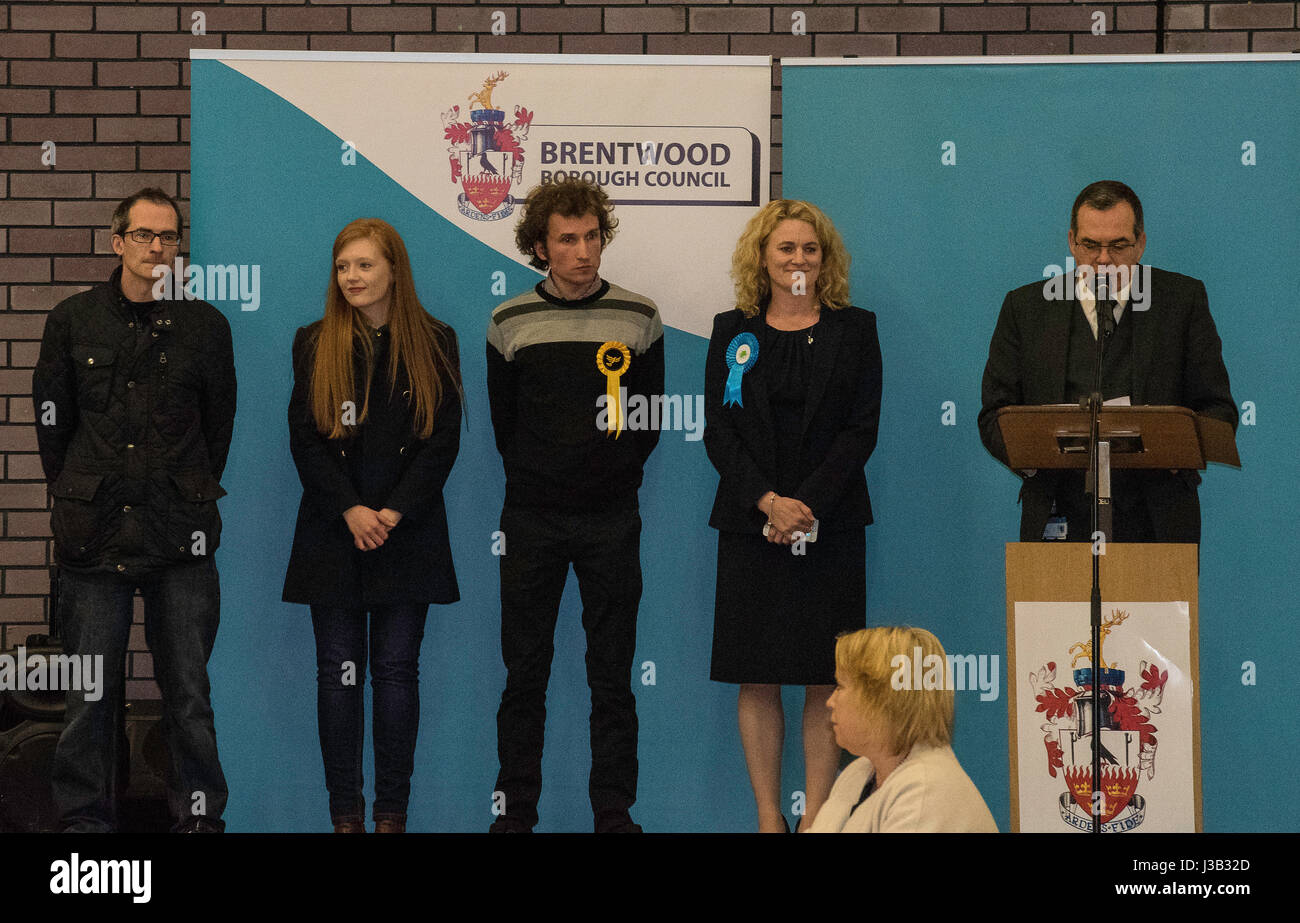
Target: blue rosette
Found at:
742, 353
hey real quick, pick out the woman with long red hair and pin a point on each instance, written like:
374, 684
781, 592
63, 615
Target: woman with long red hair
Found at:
374, 428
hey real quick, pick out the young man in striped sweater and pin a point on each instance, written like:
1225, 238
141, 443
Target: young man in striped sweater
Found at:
562, 360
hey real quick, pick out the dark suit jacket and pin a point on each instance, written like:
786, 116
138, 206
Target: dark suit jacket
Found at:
840, 421
389, 467
1177, 360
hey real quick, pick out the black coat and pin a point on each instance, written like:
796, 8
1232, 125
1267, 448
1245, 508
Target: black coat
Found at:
383, 465
133, 418
1177, 360
840, 422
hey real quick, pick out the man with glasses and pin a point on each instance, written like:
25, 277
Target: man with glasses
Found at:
1164, 350
135, 402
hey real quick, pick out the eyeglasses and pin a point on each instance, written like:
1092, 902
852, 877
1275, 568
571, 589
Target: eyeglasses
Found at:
146, 236
1117, 248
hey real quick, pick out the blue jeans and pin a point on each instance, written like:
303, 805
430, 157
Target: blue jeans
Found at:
182, 606
396, 633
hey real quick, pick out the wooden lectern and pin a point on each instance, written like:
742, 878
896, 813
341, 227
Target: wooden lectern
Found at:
1055, 437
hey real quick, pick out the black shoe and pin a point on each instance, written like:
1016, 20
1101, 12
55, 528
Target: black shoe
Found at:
617, 823
199, 825
505, 824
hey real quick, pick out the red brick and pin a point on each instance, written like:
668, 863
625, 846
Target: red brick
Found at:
48, 240
40, 297
164, 102
984, 19
519, 44
141, 665
50, 17
24, 355
391, 19
24, 46
1114, 43
84, 268
818, 20
24, 609
18, 213
138, 73
143, 129
118, 186
52, 129
15, 326
473, 19
601, 44
1032, 43
461, 43
20, 157
21, 438
1185, 16
29, 553
1275, 41
778, 45
932, 45
1252, 15
223, 18
351, 43
95, 102
1140, 18
20, 408
19, 496
24, 101
165, 157
306, 19
25, 467
137, 19
861, 45
563, 21
52, 73
95, 46
1068, 18
176, 44
686, 44
83, 214
103, 241
646, 19
732, 19
50, 185
28, 581
1199, 42
273, 41
898, 19
95, 157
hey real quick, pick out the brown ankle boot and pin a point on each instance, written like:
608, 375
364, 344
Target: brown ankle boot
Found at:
349, 825
390, 825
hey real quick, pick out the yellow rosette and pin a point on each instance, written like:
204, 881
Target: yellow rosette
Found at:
613, 359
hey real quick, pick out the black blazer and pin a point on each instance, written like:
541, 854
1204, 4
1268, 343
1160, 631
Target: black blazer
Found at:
840, 422
387, 467
1177, 360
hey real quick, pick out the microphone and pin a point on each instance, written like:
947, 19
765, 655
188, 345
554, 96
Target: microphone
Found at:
1105, 306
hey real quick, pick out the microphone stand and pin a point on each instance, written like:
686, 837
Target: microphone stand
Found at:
1098, 485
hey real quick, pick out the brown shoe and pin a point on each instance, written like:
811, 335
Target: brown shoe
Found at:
349, 825
390, 825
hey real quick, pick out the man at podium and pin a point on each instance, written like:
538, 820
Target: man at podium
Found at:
1163, 350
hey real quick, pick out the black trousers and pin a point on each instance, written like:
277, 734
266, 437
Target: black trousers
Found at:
604, 549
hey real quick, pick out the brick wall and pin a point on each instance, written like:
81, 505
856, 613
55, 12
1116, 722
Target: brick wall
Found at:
108, 83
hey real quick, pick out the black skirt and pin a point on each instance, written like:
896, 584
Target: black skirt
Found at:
777, 614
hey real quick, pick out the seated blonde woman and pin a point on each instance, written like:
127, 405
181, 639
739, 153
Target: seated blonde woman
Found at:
908, 779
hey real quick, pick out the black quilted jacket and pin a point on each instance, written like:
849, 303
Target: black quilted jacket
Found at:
133, 418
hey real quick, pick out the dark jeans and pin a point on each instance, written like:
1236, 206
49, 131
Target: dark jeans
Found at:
182, 606
604, 549
395, 636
